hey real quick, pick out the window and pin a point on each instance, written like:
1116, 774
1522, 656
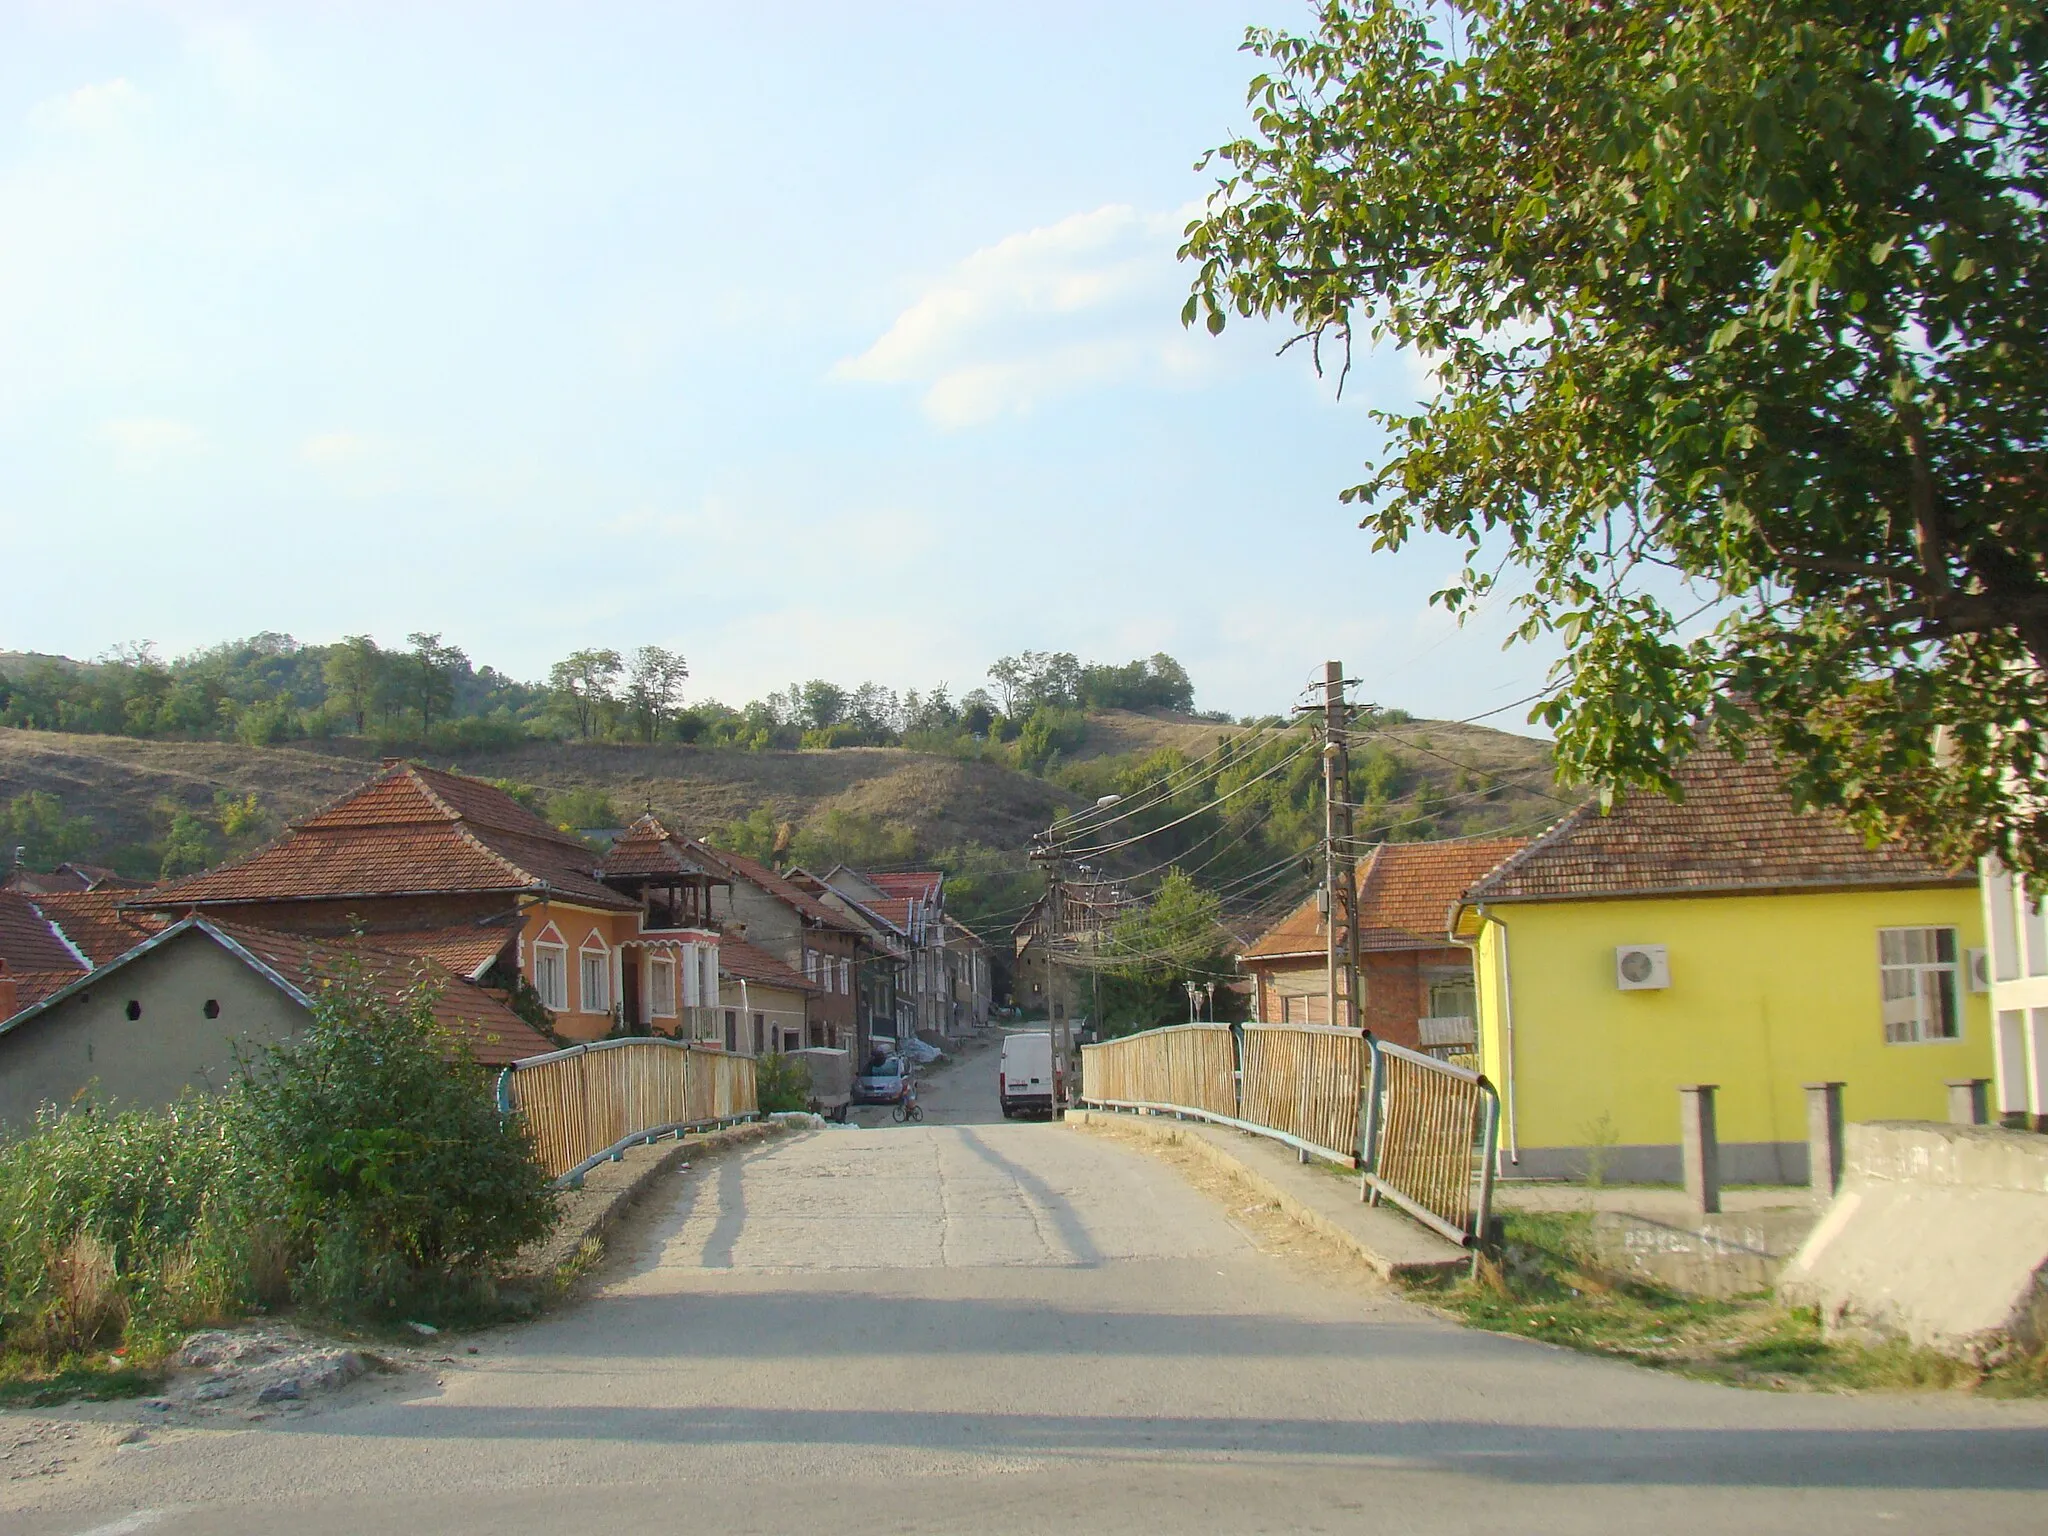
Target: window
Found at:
1917, 969
1453, 1000
732, 1029
551, 975
846, 976
760, 1033
810, 966
596, 979
661, 988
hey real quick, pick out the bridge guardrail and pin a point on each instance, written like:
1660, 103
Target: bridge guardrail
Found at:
591, 1102
1423, 1131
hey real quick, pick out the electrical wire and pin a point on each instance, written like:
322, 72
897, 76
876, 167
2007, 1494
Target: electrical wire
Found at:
1226, 756
1084, 853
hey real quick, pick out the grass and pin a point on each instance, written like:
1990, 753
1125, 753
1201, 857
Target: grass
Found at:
29, 1383
1544, 1285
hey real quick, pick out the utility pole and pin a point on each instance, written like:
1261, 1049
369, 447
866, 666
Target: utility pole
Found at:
1340, 863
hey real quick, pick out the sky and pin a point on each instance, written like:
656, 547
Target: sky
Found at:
806, 340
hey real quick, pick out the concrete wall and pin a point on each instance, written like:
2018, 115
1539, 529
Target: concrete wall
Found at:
1767, 993
1939, 1233
88, 1040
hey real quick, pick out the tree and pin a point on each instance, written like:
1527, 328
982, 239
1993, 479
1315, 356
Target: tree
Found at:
1153, 951
823, 704
586, 683
654, 689
34, 823
353, 670
1735, 316
431, 670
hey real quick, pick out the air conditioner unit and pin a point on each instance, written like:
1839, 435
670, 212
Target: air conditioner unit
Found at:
1980, 969
1642, 967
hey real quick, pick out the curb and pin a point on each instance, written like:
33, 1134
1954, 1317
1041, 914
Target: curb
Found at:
591, 1212
1375, 1235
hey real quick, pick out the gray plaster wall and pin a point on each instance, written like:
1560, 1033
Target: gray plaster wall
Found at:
1742, 1162
88, 1040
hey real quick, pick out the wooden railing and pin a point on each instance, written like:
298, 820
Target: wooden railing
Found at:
1430, 1129
591, 1101
1188, 1066
1305, 1080
1424, 1130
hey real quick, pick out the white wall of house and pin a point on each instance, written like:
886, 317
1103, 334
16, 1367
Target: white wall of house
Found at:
2017, 928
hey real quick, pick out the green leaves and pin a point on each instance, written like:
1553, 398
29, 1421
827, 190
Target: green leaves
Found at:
1779, 426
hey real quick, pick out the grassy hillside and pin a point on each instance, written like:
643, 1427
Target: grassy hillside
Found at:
131, 789
144, 806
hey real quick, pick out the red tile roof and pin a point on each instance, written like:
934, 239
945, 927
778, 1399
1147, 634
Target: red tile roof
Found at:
919, 885
27, 940
477, 1018
766, 879
736, 957
95, 923
467, 951
1735, 832
410, 831
649, 848
1405, 895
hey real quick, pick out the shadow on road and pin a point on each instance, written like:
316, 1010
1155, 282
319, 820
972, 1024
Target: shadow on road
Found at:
1536, 1455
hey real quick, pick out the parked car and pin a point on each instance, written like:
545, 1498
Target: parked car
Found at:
882, 1081
1028, 1080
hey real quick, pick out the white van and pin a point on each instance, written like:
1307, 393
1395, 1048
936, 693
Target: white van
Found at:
1028, 1082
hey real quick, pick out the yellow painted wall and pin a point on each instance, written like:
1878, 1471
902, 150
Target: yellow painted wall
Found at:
575, 926
1767, 993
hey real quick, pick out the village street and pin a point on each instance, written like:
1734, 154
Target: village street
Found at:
974, 1325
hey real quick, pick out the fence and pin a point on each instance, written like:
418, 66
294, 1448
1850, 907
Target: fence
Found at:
1423, 1130
1430, 1130
593, 1101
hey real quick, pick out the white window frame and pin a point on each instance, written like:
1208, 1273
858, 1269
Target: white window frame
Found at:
661, 976
554, 998
1931, 983
845, 978
600, 956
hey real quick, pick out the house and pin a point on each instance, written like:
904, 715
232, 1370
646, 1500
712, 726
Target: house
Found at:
68, 877
50, 940
1416, 986
178, 1011
438, 864
882, 981
913, 903
2017, 972
971, 979
767, 1004
1723, 938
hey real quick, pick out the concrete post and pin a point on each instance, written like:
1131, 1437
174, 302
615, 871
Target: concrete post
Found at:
1967, 1100
1699, 1147
1824, 1136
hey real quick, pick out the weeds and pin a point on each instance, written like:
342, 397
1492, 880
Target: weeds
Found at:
356, 1171
1545, 1285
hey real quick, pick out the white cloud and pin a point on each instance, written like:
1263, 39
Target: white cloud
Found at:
1088, 302
144, 444
91, 109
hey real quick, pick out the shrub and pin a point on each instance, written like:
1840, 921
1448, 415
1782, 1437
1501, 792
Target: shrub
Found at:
782, 1084
389, 1167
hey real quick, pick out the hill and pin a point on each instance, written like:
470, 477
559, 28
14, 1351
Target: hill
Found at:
132, 788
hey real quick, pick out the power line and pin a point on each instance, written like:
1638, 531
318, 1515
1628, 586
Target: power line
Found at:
1081, 853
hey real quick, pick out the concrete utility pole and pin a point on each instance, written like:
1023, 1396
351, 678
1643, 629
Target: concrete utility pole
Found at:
1340, 863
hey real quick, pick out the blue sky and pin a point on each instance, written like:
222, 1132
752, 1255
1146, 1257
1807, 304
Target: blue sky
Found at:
808, 340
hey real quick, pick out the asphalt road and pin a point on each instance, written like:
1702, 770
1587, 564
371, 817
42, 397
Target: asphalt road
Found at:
977, 1326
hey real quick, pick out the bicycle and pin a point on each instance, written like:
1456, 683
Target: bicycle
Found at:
907, 1108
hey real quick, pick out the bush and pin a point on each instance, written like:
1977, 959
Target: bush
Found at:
392, 1172
782, 1084
355, 1169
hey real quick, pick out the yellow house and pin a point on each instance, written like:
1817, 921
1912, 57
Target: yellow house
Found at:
1724, 938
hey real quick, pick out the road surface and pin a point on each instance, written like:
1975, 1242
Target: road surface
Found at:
977, 1326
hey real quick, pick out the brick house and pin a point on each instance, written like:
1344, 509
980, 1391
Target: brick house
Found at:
1418, 986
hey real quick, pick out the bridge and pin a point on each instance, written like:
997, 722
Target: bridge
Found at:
976, 1325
